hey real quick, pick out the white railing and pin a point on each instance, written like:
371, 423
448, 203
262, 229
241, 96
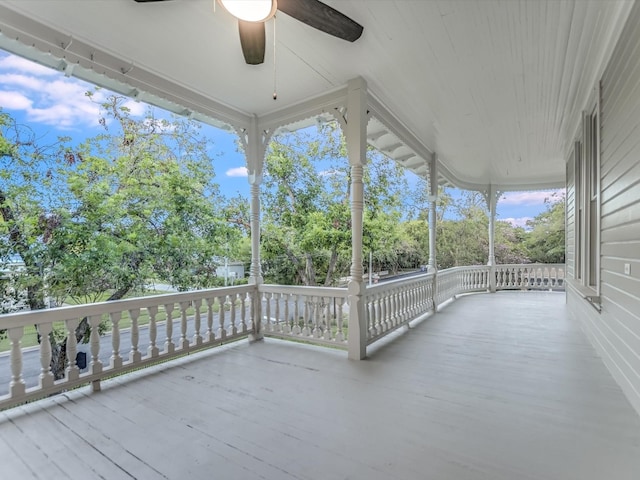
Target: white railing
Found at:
395, 303
185, 322
457, 280
312, 314
534, 276
391, 305
166, 326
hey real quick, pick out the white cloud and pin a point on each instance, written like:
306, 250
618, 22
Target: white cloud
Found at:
237, 172
11, 62
137, 109
526, 198
18, 80
48, 97
14, 101
331, 173
516, 222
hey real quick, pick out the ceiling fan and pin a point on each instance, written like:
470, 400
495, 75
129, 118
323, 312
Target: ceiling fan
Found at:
252, 15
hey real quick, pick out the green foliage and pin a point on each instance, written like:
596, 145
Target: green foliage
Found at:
464, 241
138, 201
307, 213
545, 242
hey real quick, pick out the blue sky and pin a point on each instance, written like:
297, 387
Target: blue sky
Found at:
53, 104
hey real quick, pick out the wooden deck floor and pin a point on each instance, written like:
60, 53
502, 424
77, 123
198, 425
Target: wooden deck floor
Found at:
497, 386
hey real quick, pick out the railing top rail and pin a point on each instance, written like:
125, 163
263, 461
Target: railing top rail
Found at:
315, 291
57, 314
389, 284
533, 265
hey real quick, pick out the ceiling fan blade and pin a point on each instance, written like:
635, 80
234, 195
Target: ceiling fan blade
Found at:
323, 17
145, 1
252, 40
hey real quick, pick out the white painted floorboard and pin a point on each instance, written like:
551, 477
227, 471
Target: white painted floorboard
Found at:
498, 386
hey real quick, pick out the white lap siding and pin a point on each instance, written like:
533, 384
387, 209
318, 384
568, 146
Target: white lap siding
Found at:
615, 331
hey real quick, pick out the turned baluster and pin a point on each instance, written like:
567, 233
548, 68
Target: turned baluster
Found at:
382, 322
184, 341
267, 312
169, 346
328, 327
249, 299
243, 312
404, 295
232, 313
306, 331
46, 376
372, 319
286, 328
278, 320
197, 338
222, 333
394, 307
153, 350
313, 314
339, 322
73, 372
389, 300
210, 336
135, 355
17, 385
384, 310
96, 364
296, 316
116, 359
94, 340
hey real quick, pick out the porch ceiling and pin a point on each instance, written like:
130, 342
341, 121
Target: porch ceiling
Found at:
495, 88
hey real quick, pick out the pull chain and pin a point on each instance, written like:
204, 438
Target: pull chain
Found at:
275, 92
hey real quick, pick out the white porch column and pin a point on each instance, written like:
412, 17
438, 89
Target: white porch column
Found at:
492, 201
433, 198
356, 136
255, 148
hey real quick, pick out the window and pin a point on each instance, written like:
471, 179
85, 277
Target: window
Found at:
587, 199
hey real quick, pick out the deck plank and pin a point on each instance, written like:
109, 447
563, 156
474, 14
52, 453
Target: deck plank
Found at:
496, 386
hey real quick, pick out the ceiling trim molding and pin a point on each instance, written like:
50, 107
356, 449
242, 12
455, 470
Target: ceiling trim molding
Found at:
305, 113
396, 127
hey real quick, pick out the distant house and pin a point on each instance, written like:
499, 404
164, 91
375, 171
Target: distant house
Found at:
231, 271
12, 299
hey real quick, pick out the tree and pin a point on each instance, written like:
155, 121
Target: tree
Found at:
27, 217
307, 222
510, 244
545, 242
136, 202
465, 239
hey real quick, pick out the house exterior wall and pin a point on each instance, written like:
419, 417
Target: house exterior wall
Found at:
615, 330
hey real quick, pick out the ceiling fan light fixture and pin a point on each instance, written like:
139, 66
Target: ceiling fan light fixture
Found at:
250, 10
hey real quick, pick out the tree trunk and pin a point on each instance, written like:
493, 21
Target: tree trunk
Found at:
301, 271
311, 272
333, 261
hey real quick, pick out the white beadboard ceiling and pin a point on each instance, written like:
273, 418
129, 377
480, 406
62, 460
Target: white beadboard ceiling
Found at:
495, 88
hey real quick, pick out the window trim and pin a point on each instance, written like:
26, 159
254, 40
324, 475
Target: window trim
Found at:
587, 211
